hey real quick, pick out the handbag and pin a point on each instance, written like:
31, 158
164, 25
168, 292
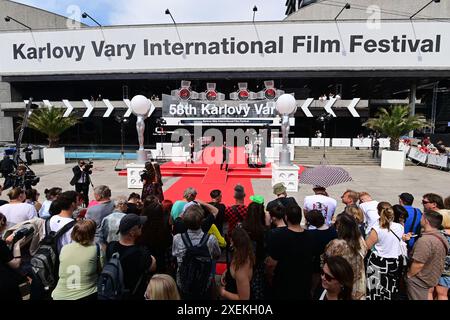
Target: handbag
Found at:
403, 257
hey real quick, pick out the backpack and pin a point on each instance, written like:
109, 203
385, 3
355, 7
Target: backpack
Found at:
45, 262
195, 269
110, 284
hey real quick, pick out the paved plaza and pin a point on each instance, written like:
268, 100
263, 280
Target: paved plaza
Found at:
382, 184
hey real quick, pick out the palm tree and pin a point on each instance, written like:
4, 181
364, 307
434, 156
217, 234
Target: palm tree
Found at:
395, 123
50, 121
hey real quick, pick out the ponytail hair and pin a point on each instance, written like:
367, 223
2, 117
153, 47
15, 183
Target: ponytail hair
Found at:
386, 213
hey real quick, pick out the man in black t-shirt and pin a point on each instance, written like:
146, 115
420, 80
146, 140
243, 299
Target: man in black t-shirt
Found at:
282, 199
290, 258
137, 261
216, 198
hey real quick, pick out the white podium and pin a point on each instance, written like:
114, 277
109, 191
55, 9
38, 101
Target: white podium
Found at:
288, 175
134, 175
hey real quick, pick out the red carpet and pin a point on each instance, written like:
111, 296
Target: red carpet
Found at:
215, 176
175, 192
205, 175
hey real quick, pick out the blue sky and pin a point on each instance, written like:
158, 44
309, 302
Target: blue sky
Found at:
116, 12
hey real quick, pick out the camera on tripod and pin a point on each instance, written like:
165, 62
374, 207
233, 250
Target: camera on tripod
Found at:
24, 178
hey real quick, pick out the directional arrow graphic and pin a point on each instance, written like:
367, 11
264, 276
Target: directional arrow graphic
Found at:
351, 107
47, 103
89, 108
69, 108
128, 103
110, 108
329, 105
305, 106
152, 108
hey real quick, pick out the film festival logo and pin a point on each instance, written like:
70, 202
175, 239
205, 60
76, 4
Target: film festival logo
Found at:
208, 146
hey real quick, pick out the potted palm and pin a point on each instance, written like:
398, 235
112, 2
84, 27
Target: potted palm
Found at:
395, 123
51, 122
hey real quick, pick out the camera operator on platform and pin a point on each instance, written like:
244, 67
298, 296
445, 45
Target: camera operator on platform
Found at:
23, 179
81, 179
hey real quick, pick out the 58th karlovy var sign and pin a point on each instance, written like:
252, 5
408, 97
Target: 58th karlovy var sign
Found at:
280, 46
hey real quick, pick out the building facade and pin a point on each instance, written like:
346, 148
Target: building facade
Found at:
371, 55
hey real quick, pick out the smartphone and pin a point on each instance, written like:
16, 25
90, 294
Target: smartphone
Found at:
414, 235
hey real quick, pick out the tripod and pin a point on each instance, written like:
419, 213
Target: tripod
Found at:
324, 118
122, 152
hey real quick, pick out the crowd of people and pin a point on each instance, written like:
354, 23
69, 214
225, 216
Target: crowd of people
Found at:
191, 248
426, 146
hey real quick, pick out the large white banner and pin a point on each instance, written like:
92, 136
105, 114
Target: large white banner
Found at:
437, 160
290, 46
415, 154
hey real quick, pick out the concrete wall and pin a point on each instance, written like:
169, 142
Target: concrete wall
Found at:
35, 19
32, 17
390, 9
6, 124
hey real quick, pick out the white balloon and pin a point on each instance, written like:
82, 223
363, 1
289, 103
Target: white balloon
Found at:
140, 105
286, 104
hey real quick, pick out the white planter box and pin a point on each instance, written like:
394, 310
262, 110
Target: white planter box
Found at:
53, 156
288, 175
134, 175
393, 160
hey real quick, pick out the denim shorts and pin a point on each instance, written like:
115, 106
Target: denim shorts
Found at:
444, 282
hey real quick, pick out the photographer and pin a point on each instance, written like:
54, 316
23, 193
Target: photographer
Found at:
81, 179
9, 279
28, 150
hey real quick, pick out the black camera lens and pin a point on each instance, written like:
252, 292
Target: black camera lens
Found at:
22, 233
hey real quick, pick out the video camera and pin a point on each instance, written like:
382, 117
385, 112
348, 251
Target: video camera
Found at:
88, 165
23, 232
25, 181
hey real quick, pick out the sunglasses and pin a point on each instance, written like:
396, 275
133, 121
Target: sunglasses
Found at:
328, 277
425, 202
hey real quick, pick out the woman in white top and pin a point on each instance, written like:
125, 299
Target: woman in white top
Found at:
50, 195
383, 266
16, 211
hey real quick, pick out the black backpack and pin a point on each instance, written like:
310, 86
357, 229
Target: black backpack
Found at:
110, 284
45, 262
196, 267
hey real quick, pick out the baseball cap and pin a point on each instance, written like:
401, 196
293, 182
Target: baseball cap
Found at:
279, 188
257, 198
407, 197
129, 221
